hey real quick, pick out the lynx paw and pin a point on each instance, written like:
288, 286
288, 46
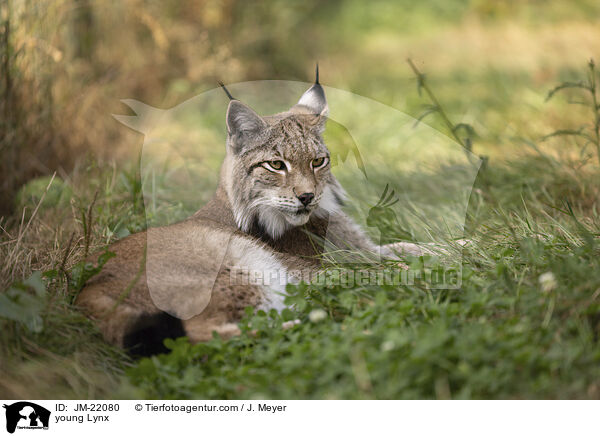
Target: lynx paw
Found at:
289, 324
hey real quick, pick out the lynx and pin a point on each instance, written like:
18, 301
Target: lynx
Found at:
276, 206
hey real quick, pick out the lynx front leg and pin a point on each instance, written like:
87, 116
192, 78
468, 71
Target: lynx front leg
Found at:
199, 330
411, 249
403, 249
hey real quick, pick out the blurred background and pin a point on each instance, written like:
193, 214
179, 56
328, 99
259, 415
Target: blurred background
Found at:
65, 64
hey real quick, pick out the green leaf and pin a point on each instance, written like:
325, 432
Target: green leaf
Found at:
83, 271
35, 281
51, 274
567, 132
428, 111
566, 85
466, 127
19, 304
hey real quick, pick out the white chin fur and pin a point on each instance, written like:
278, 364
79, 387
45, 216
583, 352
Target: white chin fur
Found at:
297, 220
276, 223
273, 221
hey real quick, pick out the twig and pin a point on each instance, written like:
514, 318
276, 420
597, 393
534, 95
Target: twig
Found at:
23, 231
437, 107
595, 107
423, 84
88, 225
589, 134
63, 270
66, 256
3, 229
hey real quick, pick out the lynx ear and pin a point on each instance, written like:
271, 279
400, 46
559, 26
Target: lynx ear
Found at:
314, 104
243, 123
243, 120
313, 101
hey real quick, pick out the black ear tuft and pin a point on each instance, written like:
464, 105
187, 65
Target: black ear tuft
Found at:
317, 75
222, 85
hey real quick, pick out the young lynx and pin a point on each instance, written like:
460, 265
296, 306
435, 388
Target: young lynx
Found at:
276, 203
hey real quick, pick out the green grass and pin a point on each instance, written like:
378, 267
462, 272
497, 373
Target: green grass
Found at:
502, 335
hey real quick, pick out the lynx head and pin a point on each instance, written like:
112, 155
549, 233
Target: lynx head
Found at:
277, 169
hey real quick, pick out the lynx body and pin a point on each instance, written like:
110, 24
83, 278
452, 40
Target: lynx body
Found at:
276, 202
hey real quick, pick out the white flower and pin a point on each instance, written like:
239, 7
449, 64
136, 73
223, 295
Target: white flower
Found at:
547, 282
317, 315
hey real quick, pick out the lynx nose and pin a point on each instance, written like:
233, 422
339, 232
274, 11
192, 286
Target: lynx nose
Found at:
306, 198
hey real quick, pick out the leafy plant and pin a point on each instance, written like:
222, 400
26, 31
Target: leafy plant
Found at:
83, 271
24, 302
522, 325
588, 134
436, 108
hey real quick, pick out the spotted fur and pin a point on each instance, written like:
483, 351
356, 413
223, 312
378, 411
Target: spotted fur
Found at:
267, 217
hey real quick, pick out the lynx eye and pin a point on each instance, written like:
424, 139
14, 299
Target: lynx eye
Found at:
319, 162
274, 165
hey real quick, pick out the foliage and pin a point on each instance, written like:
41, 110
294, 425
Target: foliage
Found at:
18, 303
502, 335
83, 271
436, 108
588, 134
30, 194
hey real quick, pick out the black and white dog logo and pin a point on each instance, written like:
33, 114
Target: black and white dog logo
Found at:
26, 415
